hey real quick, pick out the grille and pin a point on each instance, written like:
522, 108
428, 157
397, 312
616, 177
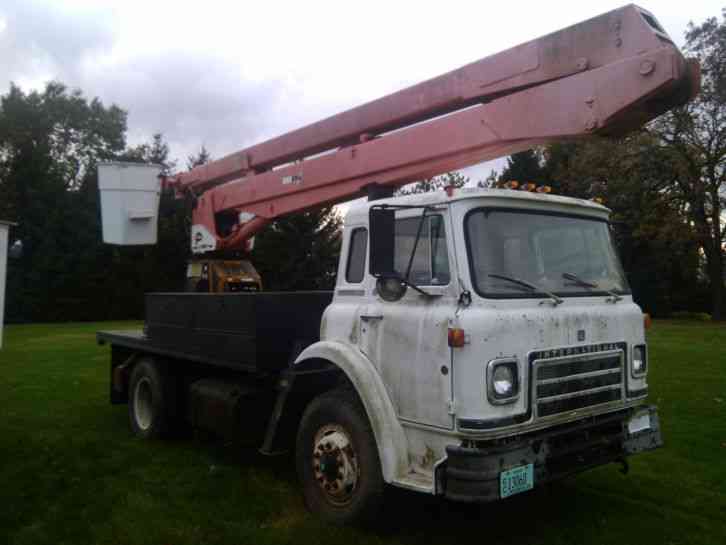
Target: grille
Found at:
578, 381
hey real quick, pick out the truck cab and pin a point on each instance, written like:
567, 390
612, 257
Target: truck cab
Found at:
505, 319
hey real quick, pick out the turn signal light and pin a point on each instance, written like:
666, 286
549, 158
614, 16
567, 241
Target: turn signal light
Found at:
457, 338
647, 322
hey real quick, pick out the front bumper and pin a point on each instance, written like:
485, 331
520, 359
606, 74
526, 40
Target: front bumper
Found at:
471, 473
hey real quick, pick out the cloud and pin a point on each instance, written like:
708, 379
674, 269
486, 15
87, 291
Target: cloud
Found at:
42, 39
227, 75
192, 99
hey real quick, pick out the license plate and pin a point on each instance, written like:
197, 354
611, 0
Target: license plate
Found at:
516, 480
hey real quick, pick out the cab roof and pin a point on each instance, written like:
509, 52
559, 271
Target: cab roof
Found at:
494, 196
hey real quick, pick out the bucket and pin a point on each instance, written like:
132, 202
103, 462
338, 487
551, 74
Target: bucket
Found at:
129, 202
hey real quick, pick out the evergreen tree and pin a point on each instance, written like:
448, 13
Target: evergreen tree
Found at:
200, 158
438, 183
300, 251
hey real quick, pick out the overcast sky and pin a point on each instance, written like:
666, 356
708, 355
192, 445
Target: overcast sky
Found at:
229, 74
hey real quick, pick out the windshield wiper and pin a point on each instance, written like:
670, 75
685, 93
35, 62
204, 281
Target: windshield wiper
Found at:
615, 297
532, 287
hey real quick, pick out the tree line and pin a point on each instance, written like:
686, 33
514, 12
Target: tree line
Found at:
666, 185
59, 268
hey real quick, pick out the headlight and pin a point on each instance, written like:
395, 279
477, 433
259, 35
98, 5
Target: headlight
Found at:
640, 361
502, 382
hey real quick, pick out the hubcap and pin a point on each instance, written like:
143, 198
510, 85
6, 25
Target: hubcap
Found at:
143, 408
335, 464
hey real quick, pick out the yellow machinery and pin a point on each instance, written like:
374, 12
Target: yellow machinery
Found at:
222, 275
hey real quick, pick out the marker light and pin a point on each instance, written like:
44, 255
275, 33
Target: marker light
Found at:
647, 322
640, 361
457, 338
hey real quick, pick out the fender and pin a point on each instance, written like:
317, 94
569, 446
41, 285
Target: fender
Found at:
390, 438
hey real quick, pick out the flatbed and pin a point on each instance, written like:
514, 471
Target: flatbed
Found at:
136, 339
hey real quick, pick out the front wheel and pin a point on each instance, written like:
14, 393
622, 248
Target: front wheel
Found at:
337, 460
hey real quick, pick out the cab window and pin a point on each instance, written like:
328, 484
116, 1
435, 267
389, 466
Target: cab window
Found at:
430, 265
357, 249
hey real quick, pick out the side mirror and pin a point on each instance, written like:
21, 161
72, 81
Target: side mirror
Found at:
382, 222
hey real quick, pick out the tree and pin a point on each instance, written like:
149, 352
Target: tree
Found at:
299, 251
525, 166
633, 176
200, 158
695, 136
50, 143
450, 179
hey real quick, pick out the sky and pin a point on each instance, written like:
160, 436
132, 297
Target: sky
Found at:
230, 74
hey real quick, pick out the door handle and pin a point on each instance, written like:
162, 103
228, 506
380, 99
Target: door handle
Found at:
371, 317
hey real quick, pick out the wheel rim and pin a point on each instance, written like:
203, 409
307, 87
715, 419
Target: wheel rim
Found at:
143, 407
335, 464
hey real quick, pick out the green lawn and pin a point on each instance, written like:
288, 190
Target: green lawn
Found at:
70, 472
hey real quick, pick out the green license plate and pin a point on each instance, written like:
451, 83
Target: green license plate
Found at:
516, 480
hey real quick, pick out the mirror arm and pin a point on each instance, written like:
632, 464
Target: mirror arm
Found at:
416, 288
415, 243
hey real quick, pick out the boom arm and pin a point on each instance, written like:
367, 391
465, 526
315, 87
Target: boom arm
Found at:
604, 76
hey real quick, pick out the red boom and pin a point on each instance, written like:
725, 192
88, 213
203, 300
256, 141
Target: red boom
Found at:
604, 76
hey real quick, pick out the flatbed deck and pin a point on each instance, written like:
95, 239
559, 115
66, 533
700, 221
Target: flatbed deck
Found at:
259, 333
138, 341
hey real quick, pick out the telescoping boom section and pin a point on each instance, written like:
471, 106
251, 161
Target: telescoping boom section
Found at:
604, 76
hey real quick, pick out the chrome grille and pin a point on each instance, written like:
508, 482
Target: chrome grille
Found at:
577, 381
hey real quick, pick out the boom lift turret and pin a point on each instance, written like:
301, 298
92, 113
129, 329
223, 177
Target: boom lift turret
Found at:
518, 356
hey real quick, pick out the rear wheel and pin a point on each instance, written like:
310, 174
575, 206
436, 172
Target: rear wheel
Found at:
151, 400
337, 460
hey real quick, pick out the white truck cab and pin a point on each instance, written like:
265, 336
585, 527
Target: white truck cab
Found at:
504, 327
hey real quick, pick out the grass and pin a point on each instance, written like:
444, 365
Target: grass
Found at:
70, 472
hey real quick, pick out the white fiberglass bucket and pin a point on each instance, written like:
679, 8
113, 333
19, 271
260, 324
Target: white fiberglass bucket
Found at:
129, 202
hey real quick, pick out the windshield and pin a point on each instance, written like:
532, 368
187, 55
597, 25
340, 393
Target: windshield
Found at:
539, 249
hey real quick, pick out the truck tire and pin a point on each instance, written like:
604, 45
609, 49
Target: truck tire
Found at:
337, 460
152, 399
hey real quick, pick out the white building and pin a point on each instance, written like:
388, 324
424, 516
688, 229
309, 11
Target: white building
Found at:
4, 227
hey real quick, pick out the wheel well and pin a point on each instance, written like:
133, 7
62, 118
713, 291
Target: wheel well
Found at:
122, 363
307, 380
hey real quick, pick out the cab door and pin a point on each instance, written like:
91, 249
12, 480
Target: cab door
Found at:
414, 356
